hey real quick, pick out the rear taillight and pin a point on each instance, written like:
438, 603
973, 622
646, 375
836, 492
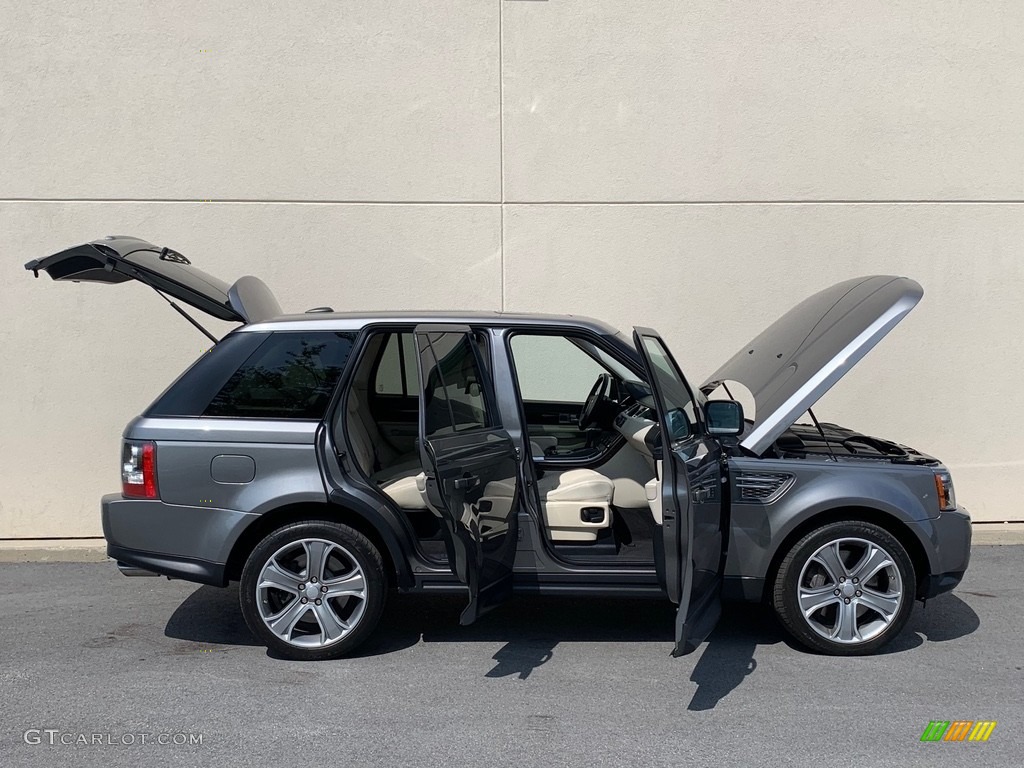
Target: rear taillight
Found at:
138, 470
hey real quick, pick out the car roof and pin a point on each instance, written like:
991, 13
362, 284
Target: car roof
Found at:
356, 320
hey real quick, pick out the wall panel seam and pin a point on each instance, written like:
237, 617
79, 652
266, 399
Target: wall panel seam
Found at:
244, 201
501, 154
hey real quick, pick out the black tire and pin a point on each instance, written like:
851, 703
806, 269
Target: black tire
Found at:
351, 549
899, 577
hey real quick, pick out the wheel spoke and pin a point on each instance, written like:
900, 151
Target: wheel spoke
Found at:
874, 560
812, 600
276, 577
351, 584
330, 625
316, 558
885, 604
846, 628
830, 560
283, 622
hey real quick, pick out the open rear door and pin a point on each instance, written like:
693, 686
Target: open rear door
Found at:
470, 462
694, 528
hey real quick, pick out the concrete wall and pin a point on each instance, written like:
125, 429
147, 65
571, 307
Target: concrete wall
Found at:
697, 167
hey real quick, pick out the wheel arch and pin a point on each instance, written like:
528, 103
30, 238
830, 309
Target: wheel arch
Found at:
370, 525
885, 520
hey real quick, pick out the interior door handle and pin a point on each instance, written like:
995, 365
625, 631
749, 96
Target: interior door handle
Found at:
466, 482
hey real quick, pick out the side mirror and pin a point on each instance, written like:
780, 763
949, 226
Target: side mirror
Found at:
724, 417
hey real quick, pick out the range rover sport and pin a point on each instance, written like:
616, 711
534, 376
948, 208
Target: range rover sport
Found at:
323, 459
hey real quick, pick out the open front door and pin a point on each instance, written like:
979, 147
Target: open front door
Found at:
470, 462
695, 518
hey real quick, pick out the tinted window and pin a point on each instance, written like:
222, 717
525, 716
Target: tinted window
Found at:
675, 395
290, 376
396, 372
194, 389
453, 394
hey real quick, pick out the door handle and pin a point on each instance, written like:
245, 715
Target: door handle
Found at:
466, 482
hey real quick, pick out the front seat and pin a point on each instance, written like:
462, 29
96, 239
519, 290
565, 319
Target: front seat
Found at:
576, 504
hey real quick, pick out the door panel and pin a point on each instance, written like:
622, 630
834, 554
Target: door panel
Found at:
471, 465
694, 518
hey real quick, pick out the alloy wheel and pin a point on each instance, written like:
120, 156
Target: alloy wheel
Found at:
311, 593
850, 590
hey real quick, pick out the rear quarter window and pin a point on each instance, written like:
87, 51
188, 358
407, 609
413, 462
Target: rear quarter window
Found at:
278, 375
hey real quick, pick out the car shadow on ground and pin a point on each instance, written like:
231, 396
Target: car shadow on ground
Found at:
532, 627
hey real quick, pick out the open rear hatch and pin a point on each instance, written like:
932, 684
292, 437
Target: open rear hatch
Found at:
117, 259
800, 356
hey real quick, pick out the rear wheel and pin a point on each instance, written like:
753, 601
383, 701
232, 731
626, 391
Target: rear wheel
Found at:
845, 589
313, 590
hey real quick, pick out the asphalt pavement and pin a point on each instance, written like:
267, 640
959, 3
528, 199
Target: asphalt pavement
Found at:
100, 670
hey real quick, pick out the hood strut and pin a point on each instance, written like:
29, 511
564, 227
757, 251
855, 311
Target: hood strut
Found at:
822, 433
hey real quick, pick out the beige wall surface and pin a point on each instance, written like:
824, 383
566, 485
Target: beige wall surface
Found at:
698, 167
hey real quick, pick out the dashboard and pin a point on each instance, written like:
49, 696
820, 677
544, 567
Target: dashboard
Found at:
637, 425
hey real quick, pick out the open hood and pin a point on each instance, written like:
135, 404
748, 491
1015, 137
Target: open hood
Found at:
801, 355
116, 259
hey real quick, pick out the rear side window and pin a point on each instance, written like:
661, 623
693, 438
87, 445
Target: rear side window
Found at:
282, 375
453, 388
396, 372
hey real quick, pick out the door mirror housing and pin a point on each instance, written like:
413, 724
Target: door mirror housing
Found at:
724, 417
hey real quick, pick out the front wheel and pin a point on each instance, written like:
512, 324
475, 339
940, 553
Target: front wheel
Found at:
313, 590
845, 589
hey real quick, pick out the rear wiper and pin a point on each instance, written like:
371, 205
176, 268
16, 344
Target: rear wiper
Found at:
145, 281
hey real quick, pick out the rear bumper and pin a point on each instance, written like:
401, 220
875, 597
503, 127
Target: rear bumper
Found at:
172, 566
190, 543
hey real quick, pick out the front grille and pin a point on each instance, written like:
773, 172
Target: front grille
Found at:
762, 487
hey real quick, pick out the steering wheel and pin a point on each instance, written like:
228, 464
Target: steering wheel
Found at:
596, 396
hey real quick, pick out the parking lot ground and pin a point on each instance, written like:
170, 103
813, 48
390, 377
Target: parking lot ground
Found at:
91, 656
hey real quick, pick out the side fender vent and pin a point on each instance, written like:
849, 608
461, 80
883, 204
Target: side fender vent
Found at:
762, 487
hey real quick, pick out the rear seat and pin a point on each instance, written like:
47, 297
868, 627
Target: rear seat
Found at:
401, 483
396, 473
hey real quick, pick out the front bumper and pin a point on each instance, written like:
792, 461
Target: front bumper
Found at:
190, 543
951, 548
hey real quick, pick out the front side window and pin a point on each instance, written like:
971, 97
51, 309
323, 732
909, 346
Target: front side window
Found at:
552, 369
680, 416
289, 376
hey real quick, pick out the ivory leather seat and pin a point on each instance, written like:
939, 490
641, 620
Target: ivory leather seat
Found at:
565, 496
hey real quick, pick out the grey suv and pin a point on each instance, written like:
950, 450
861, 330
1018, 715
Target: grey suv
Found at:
325, 458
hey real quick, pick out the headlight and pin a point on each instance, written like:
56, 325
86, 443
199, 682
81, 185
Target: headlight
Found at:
944, 487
